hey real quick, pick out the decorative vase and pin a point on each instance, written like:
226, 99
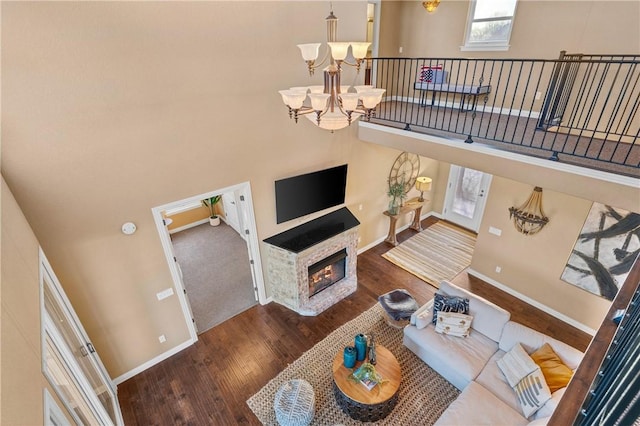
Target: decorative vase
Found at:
394, 207
361, 347
349, 356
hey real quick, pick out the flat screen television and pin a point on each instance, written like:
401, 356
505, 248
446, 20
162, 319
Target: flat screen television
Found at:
301, 195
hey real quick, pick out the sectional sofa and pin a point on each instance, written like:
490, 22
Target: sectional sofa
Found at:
470, 363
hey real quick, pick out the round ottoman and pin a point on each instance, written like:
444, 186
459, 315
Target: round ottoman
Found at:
295, 403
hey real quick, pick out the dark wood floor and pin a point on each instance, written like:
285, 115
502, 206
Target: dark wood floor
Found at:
209, 382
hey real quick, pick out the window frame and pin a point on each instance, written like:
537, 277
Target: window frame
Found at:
486, 45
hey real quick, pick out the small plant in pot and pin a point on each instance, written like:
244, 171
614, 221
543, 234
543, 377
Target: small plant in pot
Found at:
214, 219
397, 194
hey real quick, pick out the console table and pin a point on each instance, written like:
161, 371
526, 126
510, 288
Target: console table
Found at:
412, 205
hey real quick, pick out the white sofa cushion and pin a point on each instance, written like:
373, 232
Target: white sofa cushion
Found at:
488, 318
422, 317
478, 406
457, 360
493, 380
531, 340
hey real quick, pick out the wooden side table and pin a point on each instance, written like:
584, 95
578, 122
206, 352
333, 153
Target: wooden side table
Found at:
412, 205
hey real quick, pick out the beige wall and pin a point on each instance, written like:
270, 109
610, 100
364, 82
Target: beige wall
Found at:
532, 265
188, 217
20, 353
541, 29
115, 108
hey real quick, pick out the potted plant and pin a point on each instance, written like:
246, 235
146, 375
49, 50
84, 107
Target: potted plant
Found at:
211, 202
397, 194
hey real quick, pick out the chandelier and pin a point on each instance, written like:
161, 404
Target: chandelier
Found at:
431, 5
332, 106
529, 218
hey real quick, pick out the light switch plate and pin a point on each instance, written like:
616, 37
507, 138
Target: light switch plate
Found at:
495, 231
164, 294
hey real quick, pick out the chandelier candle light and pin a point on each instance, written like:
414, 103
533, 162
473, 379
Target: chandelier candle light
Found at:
332, 106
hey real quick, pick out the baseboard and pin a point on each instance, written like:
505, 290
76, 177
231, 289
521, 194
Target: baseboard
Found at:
189, 225
530, 301
402, 228
129, 374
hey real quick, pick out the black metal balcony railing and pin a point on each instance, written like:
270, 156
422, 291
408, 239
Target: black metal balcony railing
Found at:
579, 109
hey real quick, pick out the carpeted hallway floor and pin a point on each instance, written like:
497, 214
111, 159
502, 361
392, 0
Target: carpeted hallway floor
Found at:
216, 273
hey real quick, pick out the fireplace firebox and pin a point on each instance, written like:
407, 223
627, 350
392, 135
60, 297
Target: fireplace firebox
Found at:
327, 271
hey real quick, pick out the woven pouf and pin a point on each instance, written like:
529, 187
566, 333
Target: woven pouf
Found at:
295, 403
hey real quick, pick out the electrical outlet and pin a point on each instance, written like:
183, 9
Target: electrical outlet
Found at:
360, 207
165, 293
538, 96
498, 269
495, 231
162, 339
400, 49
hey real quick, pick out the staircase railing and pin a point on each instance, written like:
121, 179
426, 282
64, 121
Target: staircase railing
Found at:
581, 109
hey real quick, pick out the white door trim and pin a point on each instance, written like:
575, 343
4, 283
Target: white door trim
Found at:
252, 243
474, 223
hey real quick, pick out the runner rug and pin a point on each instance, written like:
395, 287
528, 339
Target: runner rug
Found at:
424, 394
438, 253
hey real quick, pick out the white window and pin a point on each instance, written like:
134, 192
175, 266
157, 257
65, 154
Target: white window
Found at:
489, 24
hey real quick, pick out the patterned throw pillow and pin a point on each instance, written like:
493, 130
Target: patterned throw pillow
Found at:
516, 364
444, 303
532, 392
453, 324
525, 378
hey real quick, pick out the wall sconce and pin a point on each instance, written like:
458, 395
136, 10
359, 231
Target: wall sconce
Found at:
423, 184
430, 5
529, 218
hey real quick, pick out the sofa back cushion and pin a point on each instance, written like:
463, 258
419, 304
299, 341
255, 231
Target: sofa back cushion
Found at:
488, 318
531, 340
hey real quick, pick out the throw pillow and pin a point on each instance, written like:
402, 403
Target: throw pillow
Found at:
453, 324
556, 373
516, 364
532, 392
444, 303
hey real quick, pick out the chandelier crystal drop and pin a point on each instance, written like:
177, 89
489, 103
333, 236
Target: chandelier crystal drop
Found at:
332, 106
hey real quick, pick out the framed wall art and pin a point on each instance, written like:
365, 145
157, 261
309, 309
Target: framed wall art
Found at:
607, 246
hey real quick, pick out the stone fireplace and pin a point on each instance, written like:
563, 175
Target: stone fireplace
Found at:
313, 266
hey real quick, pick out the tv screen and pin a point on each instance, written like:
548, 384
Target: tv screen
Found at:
309, 193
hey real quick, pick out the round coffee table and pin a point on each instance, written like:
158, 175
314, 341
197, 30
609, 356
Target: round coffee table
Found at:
354, 398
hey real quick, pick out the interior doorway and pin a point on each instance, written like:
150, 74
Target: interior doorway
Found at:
243, 220
466, 197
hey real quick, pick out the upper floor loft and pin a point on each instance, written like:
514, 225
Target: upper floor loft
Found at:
579, 110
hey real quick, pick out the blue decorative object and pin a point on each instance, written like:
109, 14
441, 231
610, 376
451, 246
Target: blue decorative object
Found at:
361, 347
350, 356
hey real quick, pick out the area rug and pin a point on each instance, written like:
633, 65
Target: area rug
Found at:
424, 394
438, 253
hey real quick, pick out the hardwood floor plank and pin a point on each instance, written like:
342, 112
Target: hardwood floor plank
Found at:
209, 382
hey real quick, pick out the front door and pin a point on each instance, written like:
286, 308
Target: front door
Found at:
466, 197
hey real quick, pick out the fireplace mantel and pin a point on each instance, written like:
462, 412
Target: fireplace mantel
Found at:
290, 254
